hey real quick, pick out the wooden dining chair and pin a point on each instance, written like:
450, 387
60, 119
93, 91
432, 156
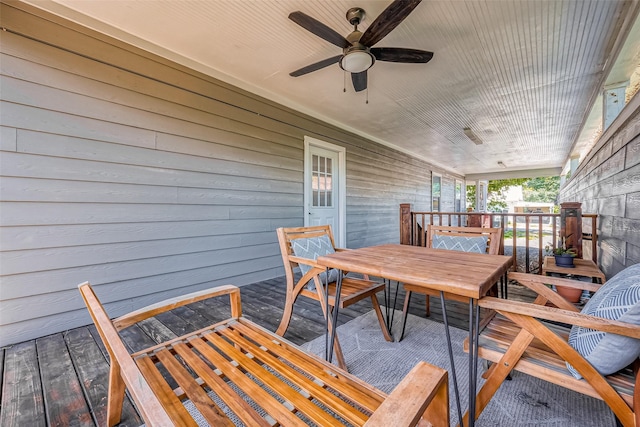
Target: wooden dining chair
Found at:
300, 246
465, 239
594, 352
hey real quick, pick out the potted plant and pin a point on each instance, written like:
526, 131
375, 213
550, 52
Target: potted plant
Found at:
564, 256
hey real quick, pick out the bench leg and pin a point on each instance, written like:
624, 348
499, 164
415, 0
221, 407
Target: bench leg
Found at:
116, 394
437, 413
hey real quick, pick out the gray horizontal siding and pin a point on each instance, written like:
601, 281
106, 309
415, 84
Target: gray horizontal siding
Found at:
608, 182
151, 180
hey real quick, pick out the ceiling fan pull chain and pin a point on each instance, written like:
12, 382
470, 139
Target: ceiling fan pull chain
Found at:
367, 101
344, 82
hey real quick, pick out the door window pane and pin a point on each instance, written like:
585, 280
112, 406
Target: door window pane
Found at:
322, 181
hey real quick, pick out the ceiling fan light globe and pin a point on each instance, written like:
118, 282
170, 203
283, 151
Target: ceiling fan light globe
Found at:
356, 62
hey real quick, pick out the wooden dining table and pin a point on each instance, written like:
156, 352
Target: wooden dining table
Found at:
463, 274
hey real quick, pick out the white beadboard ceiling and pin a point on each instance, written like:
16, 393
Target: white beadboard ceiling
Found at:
521, 74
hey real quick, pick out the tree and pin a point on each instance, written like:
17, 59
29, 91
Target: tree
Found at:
495, 193
543, 189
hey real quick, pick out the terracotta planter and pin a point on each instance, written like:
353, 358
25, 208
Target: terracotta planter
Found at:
570, 294
564, 260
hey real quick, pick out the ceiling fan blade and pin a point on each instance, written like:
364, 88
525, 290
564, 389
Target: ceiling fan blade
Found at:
359, 81
319, 29
316, 66
400, 54
389, 19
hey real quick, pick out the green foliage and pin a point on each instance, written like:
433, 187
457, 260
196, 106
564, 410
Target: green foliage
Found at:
542, 189
498, 186
562, 249
495, 190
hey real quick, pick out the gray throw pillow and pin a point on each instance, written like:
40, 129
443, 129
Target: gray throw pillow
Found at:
312, 248
460, 243
618, 299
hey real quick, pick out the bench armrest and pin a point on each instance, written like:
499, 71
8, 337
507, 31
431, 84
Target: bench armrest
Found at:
171, 303
560, 315
531, 280
422, 393
538, 284
123, 368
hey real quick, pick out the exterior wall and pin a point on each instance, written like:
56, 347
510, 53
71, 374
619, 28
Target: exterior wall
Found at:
608, 183
151, 180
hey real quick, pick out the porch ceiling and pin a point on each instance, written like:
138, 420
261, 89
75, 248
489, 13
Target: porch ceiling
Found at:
521, 74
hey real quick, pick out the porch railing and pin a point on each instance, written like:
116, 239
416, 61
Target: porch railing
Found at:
526, 235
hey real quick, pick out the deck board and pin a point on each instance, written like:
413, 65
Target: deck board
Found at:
93, 373
64, 400
22, 400
76, 362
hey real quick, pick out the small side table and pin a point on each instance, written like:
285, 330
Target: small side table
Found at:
583, 267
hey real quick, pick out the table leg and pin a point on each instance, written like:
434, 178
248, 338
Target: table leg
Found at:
389, 310
393, 308
405, 313
326, 316
334, 313
451, 361
474, 324
387, 299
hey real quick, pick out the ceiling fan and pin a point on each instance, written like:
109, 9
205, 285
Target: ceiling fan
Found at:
358, 55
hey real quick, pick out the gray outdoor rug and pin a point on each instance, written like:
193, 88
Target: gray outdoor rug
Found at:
523, 401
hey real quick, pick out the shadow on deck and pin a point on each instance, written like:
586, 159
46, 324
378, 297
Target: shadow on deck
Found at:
62, 379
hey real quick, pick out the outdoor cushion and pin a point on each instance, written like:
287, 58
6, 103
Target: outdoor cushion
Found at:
460, 243
312, 248
618, 299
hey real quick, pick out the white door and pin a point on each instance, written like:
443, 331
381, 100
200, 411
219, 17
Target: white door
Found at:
324, 186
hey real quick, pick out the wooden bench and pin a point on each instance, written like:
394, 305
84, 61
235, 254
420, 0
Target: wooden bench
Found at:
532, 338
236, 371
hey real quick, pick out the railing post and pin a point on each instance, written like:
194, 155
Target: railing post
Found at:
405, 224
571, 225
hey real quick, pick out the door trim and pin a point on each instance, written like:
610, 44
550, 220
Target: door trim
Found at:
341, 237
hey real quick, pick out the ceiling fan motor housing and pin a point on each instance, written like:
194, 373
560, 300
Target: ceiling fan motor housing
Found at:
355, 15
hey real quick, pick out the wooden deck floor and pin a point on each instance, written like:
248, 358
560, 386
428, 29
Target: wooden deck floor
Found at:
61, 379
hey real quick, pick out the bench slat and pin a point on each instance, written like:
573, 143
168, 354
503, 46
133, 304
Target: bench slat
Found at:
246, 364
174, 408
230, 397
209, 410
318, 392
270, 404
362, 392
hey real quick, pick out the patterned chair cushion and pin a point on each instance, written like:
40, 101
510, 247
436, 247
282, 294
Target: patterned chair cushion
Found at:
312, 248
618, 299
460, 243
